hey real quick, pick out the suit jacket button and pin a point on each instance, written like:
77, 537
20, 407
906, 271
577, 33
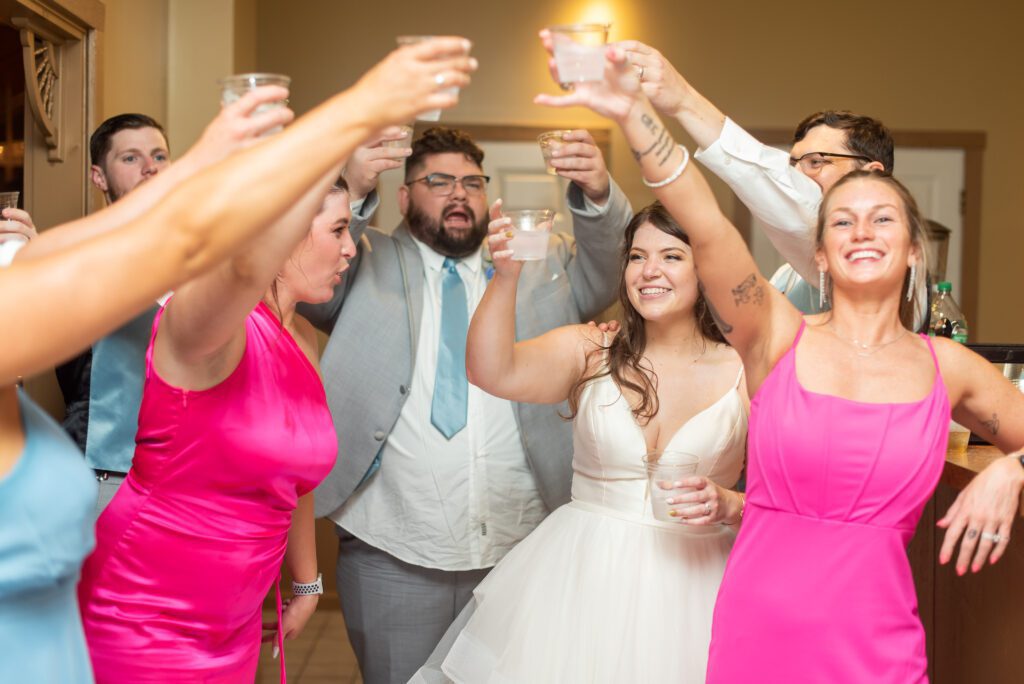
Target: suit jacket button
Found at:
379, 435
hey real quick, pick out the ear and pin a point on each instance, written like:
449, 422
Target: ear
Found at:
98, 178
403, 199
874, 166
820, 261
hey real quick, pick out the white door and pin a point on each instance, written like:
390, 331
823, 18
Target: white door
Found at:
934, 177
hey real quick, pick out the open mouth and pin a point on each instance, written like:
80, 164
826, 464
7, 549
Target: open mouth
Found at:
458, 217
864, 256
654, 291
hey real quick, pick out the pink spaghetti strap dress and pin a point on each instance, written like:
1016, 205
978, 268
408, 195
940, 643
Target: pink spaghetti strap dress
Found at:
194, 539
818, 587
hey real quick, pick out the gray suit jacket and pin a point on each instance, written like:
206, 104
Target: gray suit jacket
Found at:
374, 321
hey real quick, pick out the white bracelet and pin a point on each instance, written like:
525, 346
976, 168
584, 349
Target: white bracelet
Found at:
675, 174
309, 588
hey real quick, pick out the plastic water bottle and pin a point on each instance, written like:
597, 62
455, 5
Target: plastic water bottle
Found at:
946, 319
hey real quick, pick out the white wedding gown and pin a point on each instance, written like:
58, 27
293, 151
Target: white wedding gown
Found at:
601, 591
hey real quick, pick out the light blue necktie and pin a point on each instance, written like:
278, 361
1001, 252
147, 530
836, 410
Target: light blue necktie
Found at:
448, 406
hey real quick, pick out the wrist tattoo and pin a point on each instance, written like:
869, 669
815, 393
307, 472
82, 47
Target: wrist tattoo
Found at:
992, 424
660, 140
748, 291
648, 123
666, 149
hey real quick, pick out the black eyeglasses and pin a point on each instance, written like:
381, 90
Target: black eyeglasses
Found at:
813, 162
443, 184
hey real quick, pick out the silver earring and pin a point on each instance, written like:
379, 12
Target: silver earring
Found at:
912, 285
822, 298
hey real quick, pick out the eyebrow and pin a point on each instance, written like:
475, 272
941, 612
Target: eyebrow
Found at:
874, 208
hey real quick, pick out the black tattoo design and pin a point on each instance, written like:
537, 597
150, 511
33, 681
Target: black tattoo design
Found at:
664, 135
748, 291
971, 534
722, 325
993, 424
648, 123
666, 150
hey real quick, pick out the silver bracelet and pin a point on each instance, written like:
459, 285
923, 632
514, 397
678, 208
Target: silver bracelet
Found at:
309, 588
675, 174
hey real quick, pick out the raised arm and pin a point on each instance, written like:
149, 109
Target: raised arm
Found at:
785, 200
541, 370
53, 306
757, 320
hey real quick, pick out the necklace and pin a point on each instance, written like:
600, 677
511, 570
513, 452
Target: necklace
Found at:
864, 349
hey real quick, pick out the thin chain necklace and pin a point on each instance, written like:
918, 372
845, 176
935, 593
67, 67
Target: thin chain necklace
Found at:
864, 349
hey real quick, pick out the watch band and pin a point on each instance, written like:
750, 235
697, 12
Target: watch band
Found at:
309, 588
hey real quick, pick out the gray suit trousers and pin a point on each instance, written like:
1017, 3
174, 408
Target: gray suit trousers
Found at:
395, 612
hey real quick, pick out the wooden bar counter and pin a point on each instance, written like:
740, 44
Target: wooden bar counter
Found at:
974, 623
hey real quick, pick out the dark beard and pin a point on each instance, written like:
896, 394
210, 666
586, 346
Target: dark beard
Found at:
431, 232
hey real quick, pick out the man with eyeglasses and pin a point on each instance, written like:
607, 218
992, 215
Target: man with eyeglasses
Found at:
783, 190
436, 480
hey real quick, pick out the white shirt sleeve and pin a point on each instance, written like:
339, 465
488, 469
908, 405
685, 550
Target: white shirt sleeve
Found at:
8, 249
785, 200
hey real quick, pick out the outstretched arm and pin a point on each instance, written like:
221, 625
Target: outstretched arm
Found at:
58, 304
541, 370
756, 319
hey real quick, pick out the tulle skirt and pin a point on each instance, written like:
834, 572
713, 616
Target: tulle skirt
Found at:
591, 596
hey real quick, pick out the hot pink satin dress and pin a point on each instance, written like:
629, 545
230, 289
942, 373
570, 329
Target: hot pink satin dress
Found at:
195, 537
818, 587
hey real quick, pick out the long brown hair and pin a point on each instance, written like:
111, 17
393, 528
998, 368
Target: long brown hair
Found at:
626, 351
915, 228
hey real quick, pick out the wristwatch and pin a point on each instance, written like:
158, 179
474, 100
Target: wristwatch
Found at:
309, 588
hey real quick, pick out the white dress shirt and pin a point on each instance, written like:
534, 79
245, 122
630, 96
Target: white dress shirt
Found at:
458, 504
787, 202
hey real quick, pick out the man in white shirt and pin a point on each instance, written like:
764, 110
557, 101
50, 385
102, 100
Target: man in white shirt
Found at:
436, 480
783, 190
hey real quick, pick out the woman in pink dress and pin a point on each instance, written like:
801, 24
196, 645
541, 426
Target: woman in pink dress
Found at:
848, 425
234, 433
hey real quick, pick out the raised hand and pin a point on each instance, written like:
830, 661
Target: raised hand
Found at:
580, 160
239, 125
661, 83
414, 79
499, 233
16, 222
614, 97
371, 159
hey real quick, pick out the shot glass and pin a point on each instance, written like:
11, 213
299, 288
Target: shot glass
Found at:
9, 200
232, 88
531, 229
663, 469
404, 141
549, 142
579, 51
433, 114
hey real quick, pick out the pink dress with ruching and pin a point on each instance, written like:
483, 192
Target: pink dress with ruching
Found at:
818, 587
194, 539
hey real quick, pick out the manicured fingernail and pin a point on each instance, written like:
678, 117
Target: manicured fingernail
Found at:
960, 571
673, 514
509, 234
277, 651
473, 64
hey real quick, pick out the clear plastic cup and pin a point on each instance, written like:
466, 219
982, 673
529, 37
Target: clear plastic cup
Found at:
579, 51
531, 231
404, 141
549, 142
9, 200
664, 468
433, 114
232, 88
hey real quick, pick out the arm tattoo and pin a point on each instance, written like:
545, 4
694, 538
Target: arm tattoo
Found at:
992, 424
748, 291
648, 123
666, 150
722, 325
663, 136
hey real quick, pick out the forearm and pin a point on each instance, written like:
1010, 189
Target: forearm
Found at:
596, 252
300, 557
701, 119
490, 345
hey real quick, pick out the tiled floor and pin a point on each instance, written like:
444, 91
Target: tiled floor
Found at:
320, 655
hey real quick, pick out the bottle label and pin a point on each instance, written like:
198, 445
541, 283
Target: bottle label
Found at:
960, 337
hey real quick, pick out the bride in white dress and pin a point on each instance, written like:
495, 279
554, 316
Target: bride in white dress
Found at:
601, 591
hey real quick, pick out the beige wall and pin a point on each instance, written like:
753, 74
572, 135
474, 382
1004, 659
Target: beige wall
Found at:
940, 65
133, 59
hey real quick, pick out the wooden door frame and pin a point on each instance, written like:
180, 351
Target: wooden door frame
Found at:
972, 144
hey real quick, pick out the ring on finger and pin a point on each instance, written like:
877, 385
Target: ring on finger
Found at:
707, 508
439, 79
993, 537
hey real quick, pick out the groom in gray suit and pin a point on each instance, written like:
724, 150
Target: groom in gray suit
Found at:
436, 480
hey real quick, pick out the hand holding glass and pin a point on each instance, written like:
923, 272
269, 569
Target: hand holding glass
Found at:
9, 200
232, 88
664, 469
579, 51
549, 142
531, 230
433, 114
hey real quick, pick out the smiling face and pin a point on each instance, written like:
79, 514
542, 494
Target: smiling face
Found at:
660, 279
317, 262
454, 225
866, 236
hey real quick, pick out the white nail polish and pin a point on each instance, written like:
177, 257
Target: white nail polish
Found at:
277, 651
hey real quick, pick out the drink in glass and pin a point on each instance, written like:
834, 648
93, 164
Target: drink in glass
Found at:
404, 141
9, 200
664, 469
549, 142
433, 114
579, 51
232, 88
531, 229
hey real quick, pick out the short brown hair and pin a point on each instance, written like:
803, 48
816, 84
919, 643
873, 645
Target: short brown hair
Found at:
439, 140
864, 135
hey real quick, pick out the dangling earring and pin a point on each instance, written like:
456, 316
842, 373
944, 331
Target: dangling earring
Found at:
822, 297
912, 285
